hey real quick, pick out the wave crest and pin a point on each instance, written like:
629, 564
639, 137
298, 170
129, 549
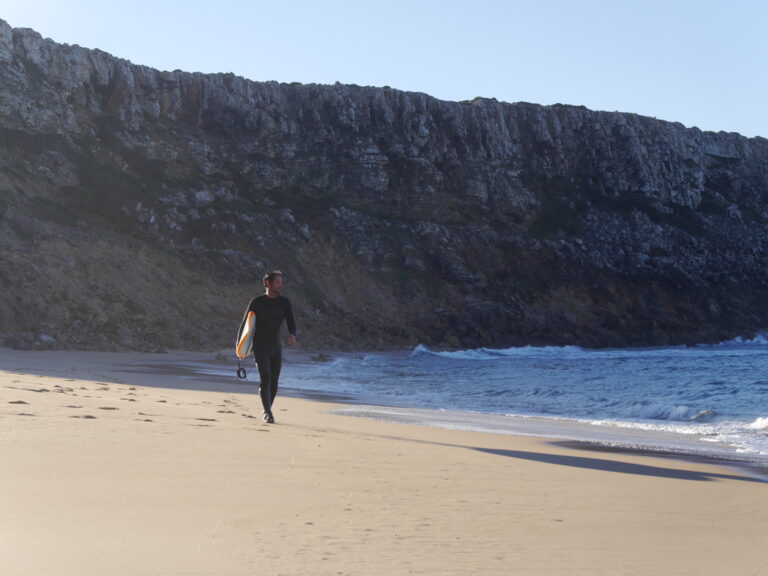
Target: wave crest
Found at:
759, 424
759, 338
681, 413
494, 353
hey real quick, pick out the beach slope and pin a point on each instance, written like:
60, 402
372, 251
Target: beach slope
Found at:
109, 468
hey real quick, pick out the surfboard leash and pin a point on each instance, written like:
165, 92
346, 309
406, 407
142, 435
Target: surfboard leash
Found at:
241, 373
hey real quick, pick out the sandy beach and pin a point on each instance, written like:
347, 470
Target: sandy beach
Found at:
112, 468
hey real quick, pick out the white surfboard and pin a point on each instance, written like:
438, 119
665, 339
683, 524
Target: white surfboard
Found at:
245, 338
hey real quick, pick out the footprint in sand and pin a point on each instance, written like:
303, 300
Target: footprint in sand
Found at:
225, 411
129, 399
86, 417
207, 419
25, 414
72, 406
18, 402
108, 408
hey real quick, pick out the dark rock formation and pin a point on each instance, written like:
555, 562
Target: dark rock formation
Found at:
139, 208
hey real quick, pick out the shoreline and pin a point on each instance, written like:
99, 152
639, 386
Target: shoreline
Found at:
112, 471
565, 432
191, 366
631, 435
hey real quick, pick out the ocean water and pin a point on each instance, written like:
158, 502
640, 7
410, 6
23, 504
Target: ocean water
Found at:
707, 399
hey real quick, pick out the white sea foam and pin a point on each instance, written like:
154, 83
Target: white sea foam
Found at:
759, 424
759, 338
495, 353
687, 429
738, 435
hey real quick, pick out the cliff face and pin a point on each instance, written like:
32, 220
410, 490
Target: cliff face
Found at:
139, 208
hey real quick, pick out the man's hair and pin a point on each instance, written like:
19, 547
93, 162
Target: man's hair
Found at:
270, 276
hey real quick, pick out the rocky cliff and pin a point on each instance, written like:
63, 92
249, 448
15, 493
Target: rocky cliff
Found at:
139, 208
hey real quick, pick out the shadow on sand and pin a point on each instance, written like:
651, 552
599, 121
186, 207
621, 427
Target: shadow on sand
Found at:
618, 467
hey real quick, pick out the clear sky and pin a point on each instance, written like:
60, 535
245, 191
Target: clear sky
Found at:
699, 62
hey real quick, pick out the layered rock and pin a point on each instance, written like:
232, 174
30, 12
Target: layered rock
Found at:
138, 208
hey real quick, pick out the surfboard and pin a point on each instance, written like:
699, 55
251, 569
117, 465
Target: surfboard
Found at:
245, 338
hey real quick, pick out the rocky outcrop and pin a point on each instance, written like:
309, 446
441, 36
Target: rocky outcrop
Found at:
138, 209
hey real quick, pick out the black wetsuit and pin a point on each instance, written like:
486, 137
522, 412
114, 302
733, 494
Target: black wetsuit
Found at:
267, 350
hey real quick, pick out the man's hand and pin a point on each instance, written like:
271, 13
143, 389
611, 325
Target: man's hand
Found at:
291, 340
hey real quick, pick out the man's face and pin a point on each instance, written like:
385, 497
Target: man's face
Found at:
276, 285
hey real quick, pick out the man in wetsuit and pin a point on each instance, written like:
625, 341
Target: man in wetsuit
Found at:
270, 308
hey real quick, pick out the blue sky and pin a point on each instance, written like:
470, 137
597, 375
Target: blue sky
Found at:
701, 63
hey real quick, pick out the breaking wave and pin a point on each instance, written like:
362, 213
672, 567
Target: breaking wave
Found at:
758, 339
496, 353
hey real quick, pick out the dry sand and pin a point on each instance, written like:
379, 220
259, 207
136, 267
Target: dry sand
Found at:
111, 472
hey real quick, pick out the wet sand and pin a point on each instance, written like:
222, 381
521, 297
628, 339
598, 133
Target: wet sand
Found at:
109, 467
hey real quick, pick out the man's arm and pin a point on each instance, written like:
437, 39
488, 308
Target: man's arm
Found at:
290, 320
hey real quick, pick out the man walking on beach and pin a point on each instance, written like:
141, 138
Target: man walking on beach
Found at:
270, 310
